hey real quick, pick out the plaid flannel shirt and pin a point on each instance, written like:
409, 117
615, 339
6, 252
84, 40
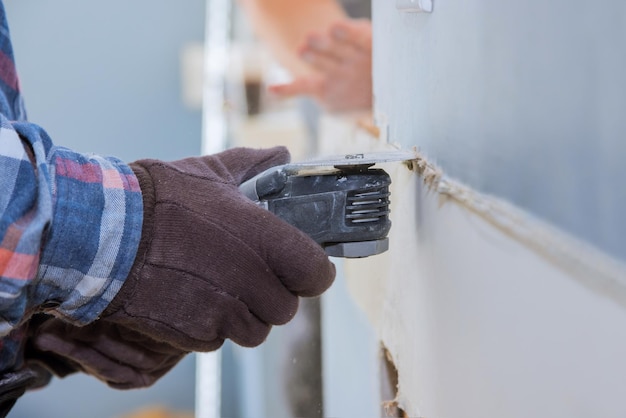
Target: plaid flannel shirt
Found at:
70, 223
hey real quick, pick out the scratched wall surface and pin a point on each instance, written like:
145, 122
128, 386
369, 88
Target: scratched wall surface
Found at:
521, 100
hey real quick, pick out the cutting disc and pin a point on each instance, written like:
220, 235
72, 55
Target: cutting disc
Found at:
355, 159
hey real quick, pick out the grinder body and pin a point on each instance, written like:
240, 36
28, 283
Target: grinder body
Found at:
345, 209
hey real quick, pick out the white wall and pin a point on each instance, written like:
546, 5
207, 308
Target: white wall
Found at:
502, 294
486, 311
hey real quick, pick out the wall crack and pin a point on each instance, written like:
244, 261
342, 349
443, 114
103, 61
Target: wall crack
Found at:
592, 267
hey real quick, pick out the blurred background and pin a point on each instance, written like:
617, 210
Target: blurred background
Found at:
105, 77
128, 79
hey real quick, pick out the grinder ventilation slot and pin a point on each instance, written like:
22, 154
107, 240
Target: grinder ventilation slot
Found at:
367, 205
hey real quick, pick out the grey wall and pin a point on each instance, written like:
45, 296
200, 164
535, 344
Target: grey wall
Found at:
104, 77
522, 100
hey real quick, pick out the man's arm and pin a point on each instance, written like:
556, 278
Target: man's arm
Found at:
69, 228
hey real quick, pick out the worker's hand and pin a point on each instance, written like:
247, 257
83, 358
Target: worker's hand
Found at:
212, 264
342, 60
118, 356
15, 383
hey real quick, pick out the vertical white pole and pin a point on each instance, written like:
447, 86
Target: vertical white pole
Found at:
216, 47
208, 375
214, 136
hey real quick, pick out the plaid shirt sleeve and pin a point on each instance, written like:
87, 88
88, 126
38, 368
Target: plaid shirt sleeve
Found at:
70, 223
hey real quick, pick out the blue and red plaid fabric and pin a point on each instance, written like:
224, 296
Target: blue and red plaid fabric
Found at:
70, 223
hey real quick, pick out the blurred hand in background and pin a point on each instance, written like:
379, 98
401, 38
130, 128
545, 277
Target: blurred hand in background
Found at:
341, 58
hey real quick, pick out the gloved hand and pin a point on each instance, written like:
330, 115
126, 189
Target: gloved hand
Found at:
212, 264
14, 384
120, 357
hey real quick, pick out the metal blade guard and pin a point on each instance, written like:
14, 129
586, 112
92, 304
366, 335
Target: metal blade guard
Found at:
344, 208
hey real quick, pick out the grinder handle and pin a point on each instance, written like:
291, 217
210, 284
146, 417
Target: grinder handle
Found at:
267, 183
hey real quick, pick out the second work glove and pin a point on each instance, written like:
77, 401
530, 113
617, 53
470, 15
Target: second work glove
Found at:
121, 357
211, 264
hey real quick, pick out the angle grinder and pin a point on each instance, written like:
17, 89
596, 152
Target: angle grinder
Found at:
340, 202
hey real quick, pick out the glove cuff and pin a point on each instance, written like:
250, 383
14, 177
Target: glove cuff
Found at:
149, 201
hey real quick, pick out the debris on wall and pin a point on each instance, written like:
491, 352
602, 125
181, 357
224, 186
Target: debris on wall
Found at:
389, 385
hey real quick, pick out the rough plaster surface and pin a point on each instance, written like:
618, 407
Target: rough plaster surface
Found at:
478, 322
479, 325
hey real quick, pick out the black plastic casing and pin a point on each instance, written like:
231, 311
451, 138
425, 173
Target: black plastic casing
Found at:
347, 205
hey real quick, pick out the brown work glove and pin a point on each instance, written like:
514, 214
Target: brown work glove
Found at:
120, 357
211, 264
15, 383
